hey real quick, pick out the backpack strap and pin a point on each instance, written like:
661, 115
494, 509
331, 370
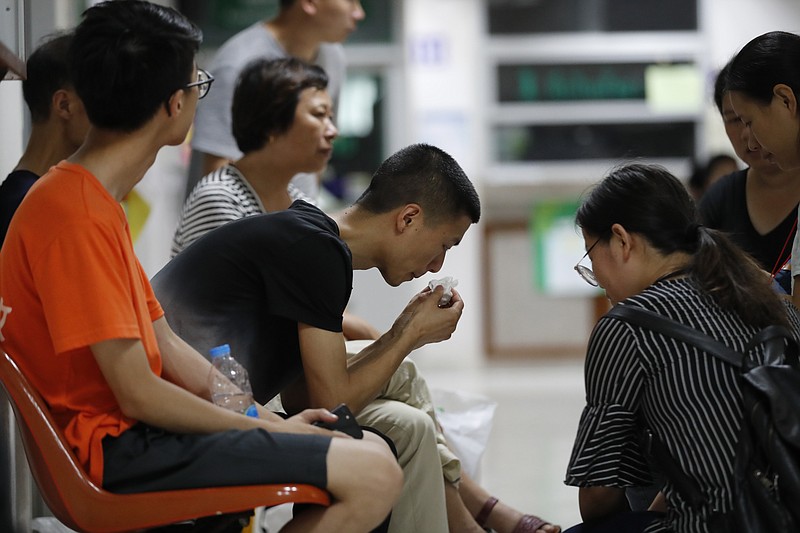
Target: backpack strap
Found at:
676, 330
684, 485
780, 346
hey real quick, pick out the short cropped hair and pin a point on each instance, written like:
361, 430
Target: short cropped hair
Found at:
128, 57
266, 97
425, 175
48, 72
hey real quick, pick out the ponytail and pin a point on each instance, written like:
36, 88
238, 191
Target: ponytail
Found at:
734, 280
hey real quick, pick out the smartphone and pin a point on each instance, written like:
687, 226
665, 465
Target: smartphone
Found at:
346, 422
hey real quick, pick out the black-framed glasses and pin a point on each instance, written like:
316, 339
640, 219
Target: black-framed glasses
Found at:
586, 272
203, 83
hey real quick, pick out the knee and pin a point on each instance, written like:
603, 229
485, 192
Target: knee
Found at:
417, 427
381, 477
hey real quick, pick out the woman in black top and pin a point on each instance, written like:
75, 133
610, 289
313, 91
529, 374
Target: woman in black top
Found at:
647, 249
756, 207
763, 83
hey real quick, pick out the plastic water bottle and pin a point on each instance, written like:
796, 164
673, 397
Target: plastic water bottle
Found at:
230, 386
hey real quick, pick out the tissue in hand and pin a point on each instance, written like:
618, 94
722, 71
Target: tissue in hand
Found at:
448, 283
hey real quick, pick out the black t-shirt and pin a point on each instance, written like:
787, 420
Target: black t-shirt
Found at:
250, 282
724, 207
12, 191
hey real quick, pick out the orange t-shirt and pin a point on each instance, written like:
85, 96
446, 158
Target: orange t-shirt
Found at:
69, 278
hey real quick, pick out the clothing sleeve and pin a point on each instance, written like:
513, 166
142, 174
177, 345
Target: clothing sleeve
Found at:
86, 287
209, 206
153, 306
316, 285
606, 450
296, 194
212, 131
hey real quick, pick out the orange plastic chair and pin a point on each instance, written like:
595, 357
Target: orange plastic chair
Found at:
81, 505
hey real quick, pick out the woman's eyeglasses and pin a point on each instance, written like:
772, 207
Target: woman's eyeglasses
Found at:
586, 272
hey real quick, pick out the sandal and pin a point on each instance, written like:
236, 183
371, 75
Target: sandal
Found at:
527, 524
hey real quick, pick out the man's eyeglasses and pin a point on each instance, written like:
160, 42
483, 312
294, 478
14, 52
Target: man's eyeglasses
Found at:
586, 272
203, 83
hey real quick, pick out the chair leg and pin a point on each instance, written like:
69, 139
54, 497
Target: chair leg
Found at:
227, 523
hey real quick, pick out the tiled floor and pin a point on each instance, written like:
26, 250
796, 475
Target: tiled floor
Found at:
538, 407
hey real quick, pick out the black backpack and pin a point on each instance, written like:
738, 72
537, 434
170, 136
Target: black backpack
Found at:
767, 463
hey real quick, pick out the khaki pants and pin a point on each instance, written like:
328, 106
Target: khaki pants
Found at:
404, 413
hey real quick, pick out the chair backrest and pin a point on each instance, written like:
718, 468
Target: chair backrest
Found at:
80, 504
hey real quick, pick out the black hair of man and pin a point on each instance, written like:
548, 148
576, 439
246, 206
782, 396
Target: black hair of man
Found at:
128, 57
48, 72
266, 97
425, 175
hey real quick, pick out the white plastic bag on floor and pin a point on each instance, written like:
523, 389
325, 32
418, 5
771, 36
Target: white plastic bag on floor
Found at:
466, 421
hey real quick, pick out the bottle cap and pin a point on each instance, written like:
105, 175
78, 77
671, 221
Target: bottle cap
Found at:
217, 351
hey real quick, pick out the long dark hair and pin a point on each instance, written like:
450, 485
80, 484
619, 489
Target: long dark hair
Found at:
648, 200
766, 61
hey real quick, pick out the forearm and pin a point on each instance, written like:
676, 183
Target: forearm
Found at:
182, 364
329, 378
186, 368
144, 396
370, 369
168, 406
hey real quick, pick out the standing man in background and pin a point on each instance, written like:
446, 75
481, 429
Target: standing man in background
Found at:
311, 30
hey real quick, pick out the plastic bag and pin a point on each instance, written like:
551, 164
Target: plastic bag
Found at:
466, 421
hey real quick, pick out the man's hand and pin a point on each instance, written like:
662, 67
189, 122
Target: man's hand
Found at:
426, 321
301, 424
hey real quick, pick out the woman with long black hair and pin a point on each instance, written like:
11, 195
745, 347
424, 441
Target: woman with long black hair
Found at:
647, 249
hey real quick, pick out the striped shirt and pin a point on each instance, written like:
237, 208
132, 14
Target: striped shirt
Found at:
220, 197
689, 399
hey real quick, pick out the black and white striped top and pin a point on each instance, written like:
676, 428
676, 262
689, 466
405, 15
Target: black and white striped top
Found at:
220, 197
689, 399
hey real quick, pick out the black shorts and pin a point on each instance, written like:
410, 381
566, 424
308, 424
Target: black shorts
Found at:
146, 459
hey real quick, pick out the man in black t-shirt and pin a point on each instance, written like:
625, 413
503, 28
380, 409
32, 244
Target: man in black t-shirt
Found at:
275, 286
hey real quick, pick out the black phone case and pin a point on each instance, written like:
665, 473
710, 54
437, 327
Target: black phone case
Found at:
346, 423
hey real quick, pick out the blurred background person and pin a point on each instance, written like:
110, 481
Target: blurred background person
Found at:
705, 175
58, 122
309, 30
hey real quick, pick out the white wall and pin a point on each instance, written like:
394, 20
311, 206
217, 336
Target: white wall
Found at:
730, 24
11, 109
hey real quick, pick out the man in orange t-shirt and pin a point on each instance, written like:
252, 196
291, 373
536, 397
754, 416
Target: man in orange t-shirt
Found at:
78, 315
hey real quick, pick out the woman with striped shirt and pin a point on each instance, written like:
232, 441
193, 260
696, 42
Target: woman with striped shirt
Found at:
283, 124
647, 249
